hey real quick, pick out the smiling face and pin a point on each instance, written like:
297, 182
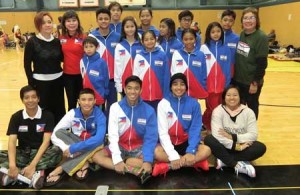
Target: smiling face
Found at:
103, 21
86, 102
129, 28
133, 91
178, 88
189, 41
215, 33
71, 25
30, 100
232, 99
149, 41
249, 22
145, 17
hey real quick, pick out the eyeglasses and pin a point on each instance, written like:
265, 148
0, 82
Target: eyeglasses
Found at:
186, 19
250, 18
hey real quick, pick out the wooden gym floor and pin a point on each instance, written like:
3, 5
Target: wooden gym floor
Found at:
277, 171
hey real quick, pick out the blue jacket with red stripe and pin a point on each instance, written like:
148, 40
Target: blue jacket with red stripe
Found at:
179, 120
95, 76
132, 127
153, 69
106, 48
124, 57
91, 130
179, 32
193, 66
169, 46
231, 40
218, 62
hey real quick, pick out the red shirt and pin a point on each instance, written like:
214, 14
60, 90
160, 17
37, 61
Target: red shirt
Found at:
73, 51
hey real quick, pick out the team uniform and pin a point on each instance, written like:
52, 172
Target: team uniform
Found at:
106, 50
72, 49
85, 138
179, 32
193, 66
30, 133
231, 40
116, 27
218, 62
169, 46
153, 69
156, 32
124, 58
179, 123
46, 55
132, 128
95, 76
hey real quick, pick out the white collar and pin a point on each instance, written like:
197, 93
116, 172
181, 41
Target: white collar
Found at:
38, 114
40, 36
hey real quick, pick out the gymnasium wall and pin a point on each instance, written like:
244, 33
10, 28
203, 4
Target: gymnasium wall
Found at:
284, 18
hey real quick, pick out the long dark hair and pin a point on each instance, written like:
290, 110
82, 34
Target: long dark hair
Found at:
123, 34
171, 26
67, 15
208, 29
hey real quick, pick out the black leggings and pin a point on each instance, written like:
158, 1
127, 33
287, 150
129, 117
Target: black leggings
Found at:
230, 157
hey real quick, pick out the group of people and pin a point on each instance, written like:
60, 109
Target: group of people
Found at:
160, 75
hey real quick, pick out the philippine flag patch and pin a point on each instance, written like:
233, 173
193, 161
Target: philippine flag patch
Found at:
122, 119
122, 52
40, 127
208, 56
179, 62
142, 62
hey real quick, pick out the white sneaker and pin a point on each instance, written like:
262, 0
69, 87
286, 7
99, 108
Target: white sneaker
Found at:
220, 164
37, 181
5, 179
246, 168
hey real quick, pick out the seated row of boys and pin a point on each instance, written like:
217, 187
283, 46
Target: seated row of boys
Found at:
133, 134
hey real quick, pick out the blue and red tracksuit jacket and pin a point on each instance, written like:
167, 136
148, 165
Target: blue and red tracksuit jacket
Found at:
169, 46
182, 118
106, 48
218, 62
231, 40
124, 58
132, 127
193, 66
156, 32
116, 27
179, 32
153, 69
95, 76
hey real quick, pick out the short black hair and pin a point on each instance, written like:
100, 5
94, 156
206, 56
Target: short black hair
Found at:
90, 40
26, 89
185, 13
133, 78
228, 12
102, 11
231, 86
86, 91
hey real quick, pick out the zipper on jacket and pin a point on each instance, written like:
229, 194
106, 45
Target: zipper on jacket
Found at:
216, 70
178, 106
129, 139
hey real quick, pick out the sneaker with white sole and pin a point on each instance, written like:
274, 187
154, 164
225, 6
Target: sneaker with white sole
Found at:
220, 164
6, 180
246, 168
37, 181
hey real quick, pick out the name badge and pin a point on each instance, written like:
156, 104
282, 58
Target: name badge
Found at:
23, 128
141, 121
187, 117
94, 73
